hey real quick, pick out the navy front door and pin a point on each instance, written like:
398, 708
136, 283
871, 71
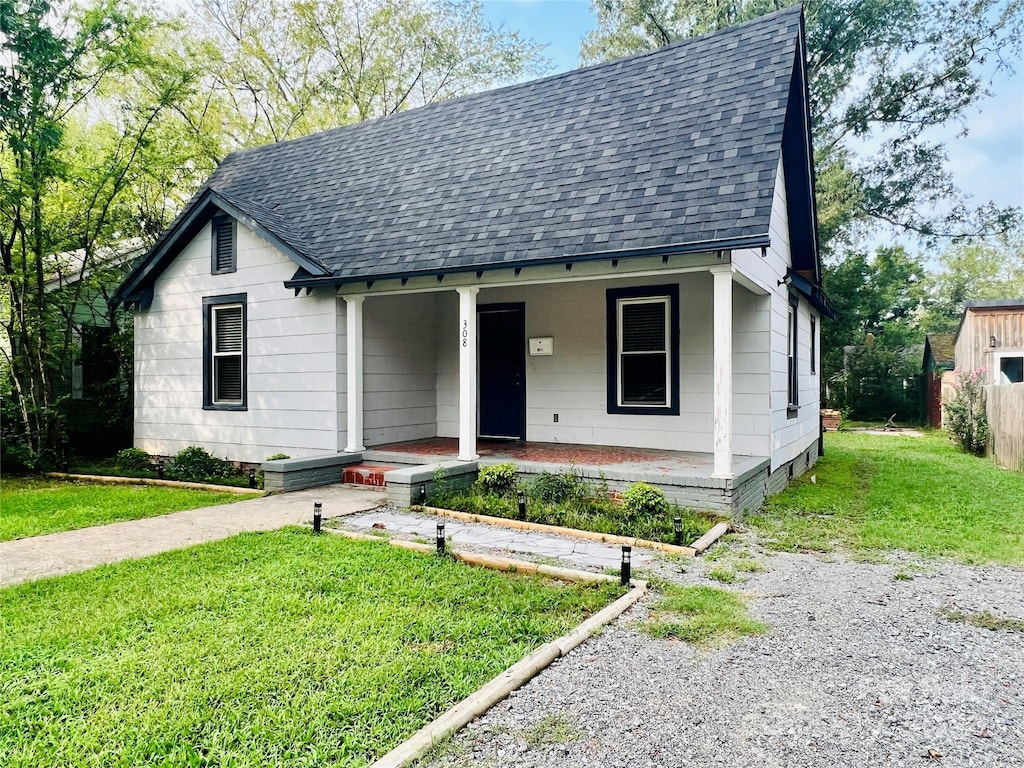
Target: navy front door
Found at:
502, 375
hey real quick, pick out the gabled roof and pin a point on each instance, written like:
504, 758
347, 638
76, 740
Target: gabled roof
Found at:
983, 305
940, 348
673, 150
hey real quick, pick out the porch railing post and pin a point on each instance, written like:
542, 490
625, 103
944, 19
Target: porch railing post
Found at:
723, 370
467, 373
354, 372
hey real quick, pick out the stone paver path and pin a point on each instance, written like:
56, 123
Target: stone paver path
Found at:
573, 552
58, 553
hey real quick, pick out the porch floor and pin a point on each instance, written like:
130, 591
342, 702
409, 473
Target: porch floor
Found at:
653, 463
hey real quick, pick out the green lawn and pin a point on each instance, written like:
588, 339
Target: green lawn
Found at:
32, 506
884, 492
281, 648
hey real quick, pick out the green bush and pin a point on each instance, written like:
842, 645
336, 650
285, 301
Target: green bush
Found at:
132, 460
556, 489
643, 500
965, 413
195, 463
499, 479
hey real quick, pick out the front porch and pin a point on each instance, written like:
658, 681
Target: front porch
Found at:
687, 477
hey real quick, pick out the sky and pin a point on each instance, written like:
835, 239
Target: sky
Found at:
988, 164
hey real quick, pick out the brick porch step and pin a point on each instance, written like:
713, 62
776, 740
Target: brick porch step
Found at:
366, 474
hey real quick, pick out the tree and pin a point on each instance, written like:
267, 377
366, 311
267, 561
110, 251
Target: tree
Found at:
985, 269
285, 68
883, 71
881, 295
80, 94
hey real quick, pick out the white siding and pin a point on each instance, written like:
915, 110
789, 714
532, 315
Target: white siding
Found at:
398, 368
292, 361
573, 381
790, 436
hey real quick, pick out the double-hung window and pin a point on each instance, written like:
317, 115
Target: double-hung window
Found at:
643, 350
793, 347
224, 358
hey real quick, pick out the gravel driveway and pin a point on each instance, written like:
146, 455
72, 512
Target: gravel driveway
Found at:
862, 667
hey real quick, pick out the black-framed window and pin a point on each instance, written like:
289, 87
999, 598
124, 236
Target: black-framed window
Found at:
643, 350
224, 253
814, 344
224, 352
793, 347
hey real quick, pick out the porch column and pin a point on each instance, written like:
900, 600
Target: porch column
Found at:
467, 373
354, 372
723, 370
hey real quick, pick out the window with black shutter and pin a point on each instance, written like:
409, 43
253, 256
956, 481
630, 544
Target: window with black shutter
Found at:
643, 350
793, 357
224, 359
224, 249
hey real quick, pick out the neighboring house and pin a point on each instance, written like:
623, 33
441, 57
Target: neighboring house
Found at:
621, 255
937, 368
991, 336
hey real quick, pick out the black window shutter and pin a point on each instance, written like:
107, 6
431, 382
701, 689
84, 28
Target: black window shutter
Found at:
224, 245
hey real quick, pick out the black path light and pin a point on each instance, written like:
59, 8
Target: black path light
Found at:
423, 493
521, 499
318, 508
160, 469
252, 477
626, 572
440, 538
677, 524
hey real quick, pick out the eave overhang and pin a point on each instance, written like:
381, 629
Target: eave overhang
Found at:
303, 279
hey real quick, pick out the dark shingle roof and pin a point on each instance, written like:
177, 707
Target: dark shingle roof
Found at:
675, 146
941, 347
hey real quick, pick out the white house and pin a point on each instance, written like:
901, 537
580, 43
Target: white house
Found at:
622, 255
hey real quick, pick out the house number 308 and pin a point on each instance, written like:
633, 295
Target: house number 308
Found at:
465, 333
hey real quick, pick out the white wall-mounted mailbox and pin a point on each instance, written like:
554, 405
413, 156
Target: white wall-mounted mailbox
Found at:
542, 345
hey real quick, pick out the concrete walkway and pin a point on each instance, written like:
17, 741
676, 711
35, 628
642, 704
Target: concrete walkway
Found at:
569, 551
59, 553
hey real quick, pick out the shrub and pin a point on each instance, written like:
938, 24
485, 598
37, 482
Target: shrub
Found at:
555, 489
195, 463
132, 460
965, 413
643, 500
499, 479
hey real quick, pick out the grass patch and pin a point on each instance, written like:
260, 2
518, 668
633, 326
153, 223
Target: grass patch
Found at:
281, 648
706, 616
723, 575
985, 620
882, 492
33, 506
551, 729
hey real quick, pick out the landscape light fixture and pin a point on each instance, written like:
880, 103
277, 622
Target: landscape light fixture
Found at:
160, 469
252, 477
440, 538
521, 499
677, 523
625, 573
318, 507
423, 493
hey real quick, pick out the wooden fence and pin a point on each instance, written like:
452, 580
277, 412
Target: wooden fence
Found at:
1004, 407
